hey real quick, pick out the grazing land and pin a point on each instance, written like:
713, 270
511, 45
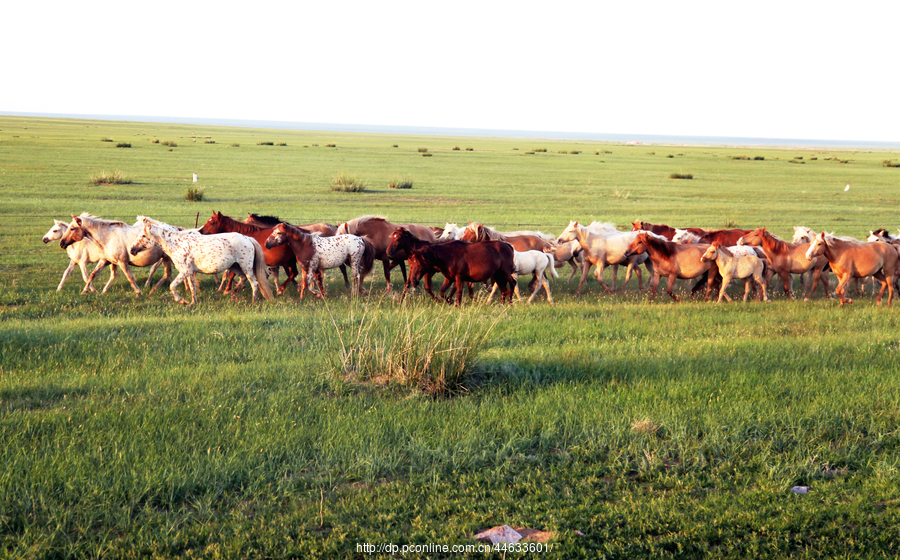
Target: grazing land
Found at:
136, 427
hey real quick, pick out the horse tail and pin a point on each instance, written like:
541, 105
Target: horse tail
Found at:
260, 270
550, 265
368, 259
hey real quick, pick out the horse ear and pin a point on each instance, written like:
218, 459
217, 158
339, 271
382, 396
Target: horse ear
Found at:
77, 219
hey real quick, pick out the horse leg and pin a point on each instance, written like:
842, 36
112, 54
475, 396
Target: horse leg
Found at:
884, 285
127, 270
167, 272
547, 289
600, 266
585, 268
671, 286
72, 264
172, 287
386, 263
841, 289
654, 282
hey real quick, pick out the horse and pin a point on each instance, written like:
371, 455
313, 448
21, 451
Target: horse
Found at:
604, 245
672, 260
81, 253
404, 242
856, 259
193, 252
378, 231
314, 253
535, 263
451, 232
662, 229
567, 252
520, 240
461, 262
114, 239
750, 267
789, 258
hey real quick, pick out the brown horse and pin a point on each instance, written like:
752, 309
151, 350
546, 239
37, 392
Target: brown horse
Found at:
378, 231
789, 258
725, 237
856, 259
673, 260
404, 242
521, 241
662, 229
461, 262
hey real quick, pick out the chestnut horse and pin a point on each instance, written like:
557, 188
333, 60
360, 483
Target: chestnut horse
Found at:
789, 258
857, 259
461, 262
672, 260
404, 242
661, 229
378, 231
520, 240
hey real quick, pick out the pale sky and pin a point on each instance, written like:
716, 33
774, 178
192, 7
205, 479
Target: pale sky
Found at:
803, 70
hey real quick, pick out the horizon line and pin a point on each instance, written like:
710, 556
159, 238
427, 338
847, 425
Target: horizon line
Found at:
469, 132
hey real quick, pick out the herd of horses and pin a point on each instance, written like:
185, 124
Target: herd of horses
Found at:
259, 246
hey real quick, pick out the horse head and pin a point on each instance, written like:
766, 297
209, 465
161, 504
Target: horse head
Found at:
711, 251
638, 245
212, 224
568, 234
817, 246
401, 240
56, 232
277, 237
144, 241
74, 233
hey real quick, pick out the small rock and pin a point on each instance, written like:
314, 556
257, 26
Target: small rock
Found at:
800, 489
578, 533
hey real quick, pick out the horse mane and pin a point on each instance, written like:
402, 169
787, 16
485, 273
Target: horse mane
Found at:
603, 226
298, 232
100, 222
661, 244
268, 220
240, 227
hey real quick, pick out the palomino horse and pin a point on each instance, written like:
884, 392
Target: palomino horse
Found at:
567, 252
378, 231
114, 239
315, 253
661, 229
672, 260
210, 254
520, 240
749, 267
81, 254
535, 263
604, 245
461, 262
856, 259
789, 258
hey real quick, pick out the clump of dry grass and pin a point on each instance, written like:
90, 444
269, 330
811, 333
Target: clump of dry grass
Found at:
344, 182
401, 183
645, 426
422, 349
194, 194
681, 176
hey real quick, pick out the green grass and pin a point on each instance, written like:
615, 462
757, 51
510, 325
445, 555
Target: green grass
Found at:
140, 428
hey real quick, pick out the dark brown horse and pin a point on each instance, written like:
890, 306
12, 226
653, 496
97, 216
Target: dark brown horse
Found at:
378, 231
673, 260
461, 262
662, 229
787, 259
403, 242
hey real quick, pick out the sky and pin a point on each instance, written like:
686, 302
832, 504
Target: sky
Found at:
804, 70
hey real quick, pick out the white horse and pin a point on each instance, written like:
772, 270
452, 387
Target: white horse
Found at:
452, 232
114, 240
604, 245
531, 262
748, 266
81, 253
193, 252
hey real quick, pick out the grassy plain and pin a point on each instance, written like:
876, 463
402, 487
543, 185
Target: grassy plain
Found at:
139, 428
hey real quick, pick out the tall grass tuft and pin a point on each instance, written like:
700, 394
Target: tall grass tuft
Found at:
123, 145
423, 150
344, 182
194, 194
110, 178
889, 163
426, 349
401, 183
681, 176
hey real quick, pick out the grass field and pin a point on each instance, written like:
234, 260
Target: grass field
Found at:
135, 428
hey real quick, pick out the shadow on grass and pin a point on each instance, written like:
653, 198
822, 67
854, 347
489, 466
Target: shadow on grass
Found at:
37, 398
